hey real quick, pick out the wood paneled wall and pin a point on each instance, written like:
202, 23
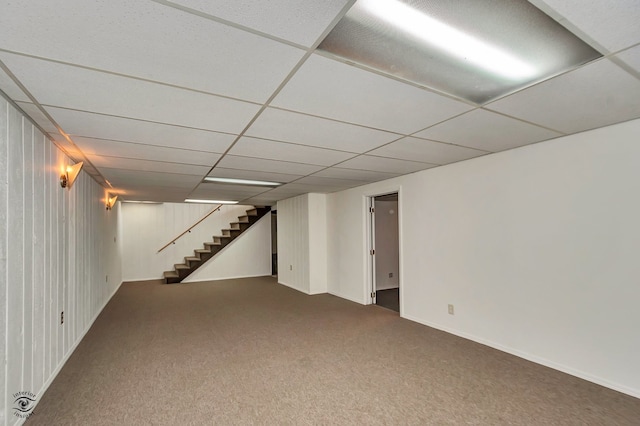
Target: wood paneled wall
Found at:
59, 252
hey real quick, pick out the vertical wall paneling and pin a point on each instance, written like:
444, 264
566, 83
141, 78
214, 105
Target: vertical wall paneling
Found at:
52, 255
302, 243
293, 243
38, 259
27, 254
317, 243
4, 236
15, 278
48, 258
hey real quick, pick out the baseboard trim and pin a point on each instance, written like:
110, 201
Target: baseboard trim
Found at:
342, 296
55, 372
226, 278
533, 358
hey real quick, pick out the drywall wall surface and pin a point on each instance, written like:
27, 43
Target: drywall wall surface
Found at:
249, 255
535, 247
59, 263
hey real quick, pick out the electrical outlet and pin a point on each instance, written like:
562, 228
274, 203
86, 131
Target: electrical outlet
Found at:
451, 310
291, 267
390, 274
62, 317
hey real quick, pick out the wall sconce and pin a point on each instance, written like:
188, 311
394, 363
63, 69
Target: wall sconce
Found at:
111, 201
70, 174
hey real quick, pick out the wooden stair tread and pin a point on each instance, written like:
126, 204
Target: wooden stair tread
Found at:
181, 266
203, 251
192, 258
170, 274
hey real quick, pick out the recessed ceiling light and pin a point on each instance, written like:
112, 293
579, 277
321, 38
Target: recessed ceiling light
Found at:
470, 49
192, 200
241, 181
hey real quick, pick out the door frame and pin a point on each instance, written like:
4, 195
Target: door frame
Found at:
369, 235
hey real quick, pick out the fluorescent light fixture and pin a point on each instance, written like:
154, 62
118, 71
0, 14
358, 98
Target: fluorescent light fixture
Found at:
474, 50
192, 200
457, 43
241, 181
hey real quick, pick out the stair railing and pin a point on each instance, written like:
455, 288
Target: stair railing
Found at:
188, 230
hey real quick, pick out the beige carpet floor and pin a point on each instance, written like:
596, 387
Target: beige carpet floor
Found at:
251, 351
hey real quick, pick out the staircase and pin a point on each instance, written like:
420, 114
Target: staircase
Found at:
200, 257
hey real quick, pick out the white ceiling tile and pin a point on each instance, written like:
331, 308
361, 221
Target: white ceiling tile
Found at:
329, 182
425, 151
307, 130
332, 89
301, 21
142, 178
261, 201
11, 89
115, 35
262, 165
220, 192
631, 57
613, 24
286, 191
109, 148
487, 131
595, 95
87, 124
260, 148
36, 115
388, 165
352, 174
150, 166
253, 175
299, 188
154, 195
79, 88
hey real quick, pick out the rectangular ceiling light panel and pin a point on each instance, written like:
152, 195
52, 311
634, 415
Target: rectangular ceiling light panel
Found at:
474, 50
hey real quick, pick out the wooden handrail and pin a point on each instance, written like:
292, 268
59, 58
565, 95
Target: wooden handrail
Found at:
190, 228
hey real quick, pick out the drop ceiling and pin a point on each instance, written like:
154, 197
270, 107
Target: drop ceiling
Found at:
155, 95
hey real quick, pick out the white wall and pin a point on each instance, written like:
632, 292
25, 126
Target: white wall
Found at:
302, 243
535, 247
293, 243
148, 227
317, 243
57, 253
387, 253
247, 256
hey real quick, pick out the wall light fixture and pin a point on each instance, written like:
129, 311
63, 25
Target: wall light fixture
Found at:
68, 177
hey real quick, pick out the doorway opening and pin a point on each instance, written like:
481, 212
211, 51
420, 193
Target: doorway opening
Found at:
385, 251
274, 242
